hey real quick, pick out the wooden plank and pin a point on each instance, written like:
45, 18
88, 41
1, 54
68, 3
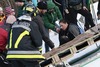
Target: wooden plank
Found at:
78, 40
63, 47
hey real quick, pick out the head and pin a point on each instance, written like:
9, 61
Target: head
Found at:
1, 11
8, 10
42, 5
19, 2
50, 6
63, 24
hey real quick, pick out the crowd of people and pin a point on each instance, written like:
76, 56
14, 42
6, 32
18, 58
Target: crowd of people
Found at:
21, 36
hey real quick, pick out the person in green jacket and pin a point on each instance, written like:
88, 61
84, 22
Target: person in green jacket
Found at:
50, 17
88, 4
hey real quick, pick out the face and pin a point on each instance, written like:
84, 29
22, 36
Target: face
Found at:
19, 3
43, 11
1, 12
63, 25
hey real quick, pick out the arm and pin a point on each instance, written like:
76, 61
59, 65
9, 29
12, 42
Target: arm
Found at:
39, 22
59, 15
84, 3
47, 23
35, 35
74, 29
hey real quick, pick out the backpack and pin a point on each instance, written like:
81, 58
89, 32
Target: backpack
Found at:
74, 2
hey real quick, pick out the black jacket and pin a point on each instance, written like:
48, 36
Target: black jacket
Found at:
40, 24
25, 40
66, 3
69, 34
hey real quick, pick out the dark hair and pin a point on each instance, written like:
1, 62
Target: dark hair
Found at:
63, 21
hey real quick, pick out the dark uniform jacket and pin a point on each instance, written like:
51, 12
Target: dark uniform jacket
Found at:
25, 40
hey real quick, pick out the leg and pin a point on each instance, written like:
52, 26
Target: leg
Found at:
98, 13
88, 17
71, 16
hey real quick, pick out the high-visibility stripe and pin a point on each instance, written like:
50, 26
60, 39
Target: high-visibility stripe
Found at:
34, 14
28, 9
24, 27
25, 56
20, 37
23, 52
10, 39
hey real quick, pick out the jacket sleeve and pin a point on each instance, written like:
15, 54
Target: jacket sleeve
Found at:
74, 30
40, 24
59, 15
35, 35
65, 4
84, 2
47, 23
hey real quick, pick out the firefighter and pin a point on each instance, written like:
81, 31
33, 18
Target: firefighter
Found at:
25, 42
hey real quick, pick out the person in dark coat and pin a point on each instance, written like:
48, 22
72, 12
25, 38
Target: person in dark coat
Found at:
72, 9
40, 23
68, 31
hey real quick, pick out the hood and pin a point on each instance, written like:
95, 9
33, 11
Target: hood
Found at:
25, 17
50, 5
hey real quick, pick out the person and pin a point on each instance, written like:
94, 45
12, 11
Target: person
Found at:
60, 4
98, 13
72, 8
25, 42
4, 36
42, 9
10, 16
49, 18
3, 43
67, 32
2, 16
19, 4
38, 12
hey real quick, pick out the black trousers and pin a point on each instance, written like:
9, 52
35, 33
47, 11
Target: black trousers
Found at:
3, 61
72, 17
24, 63
98, 7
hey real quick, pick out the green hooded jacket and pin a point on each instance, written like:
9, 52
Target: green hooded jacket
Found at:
49, 18
88, 4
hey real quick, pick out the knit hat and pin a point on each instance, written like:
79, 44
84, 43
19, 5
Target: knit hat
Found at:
42, 5
8, 10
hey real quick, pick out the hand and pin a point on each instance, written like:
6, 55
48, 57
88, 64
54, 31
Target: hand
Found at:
66, 10
57, 29
84, 8
53, 49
